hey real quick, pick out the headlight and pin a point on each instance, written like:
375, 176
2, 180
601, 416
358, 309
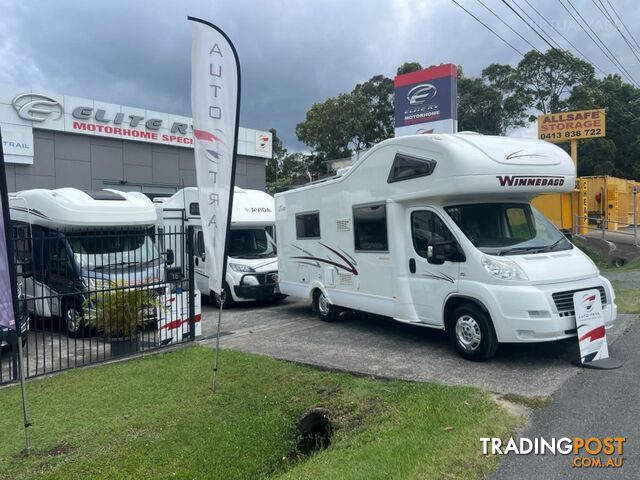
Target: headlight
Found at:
238, 267
503, 268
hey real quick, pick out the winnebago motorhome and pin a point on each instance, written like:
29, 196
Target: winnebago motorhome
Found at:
81, 241
252, 265
438, 231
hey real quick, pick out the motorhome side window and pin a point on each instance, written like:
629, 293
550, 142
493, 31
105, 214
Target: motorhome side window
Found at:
199, 243
427, 226
406, 167
194, 209
308, 225
370, 228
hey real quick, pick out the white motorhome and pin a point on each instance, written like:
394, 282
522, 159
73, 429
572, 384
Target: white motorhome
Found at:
439, 231
81, 241
252, 265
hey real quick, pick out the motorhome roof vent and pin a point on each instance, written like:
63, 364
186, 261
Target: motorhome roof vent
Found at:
343, 225
104, 195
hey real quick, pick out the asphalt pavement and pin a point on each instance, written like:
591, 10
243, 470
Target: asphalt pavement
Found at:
595, 403
373, 345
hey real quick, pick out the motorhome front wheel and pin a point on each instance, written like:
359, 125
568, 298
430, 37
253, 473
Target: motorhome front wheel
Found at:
472, 333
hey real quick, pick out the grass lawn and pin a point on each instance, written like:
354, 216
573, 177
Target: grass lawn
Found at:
627, 299
156, 417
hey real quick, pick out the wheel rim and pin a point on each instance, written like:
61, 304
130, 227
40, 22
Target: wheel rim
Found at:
468, 333
72, 319
323, 305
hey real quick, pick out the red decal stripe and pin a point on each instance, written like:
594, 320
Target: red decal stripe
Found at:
594, 334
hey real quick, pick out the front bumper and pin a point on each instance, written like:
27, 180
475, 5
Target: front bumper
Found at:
256, 292
528, 313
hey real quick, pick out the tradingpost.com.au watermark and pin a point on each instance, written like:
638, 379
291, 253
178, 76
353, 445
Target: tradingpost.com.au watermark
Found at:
591, 452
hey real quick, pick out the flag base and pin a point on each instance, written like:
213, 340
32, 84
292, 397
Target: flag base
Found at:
601, 364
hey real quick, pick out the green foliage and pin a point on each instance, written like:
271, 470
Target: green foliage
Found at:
545, 80
619, 153
408, 67
156, 417
120, 311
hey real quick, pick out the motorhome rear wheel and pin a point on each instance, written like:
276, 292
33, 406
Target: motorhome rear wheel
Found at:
326, 310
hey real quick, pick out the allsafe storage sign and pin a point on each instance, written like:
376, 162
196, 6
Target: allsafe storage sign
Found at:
565, 126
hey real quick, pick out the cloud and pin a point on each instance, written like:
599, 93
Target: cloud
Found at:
292, 53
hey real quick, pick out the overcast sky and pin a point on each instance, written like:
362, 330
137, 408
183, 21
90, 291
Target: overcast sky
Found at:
292, 53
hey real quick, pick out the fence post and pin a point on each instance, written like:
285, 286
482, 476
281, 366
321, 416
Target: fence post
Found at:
602, 227
191, 287
635, 216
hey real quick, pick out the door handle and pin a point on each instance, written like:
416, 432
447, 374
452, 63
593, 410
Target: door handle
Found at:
197, 261
412, 265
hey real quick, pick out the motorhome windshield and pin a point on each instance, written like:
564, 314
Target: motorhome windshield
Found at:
251, 243
108, 248
507, 228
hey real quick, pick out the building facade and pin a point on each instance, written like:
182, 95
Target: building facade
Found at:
54, 141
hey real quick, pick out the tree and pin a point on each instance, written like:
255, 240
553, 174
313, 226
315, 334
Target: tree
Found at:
478, 106
278, 153
349, 122
513, 105
545, 80
408, 67
619, 153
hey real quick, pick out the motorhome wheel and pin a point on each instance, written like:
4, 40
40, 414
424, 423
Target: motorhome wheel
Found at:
228, 299
73, 322
472, 333
327, 311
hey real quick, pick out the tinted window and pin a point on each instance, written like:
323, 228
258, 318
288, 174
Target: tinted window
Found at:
199, 243
427, 226
405, 167
308, 225
194, 208
370, 228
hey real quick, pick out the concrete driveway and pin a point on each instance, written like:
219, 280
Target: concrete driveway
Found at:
378, 346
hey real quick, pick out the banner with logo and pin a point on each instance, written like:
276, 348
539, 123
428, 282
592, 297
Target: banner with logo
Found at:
590, 322
426, 101
215, 105
7, 277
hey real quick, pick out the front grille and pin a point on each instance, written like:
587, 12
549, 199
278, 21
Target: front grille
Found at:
269, 278
564, 300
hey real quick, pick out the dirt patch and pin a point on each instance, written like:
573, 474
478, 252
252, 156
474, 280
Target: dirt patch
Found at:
60, 449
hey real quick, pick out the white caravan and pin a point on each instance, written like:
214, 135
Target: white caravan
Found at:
80, 241
438, 231
252, 265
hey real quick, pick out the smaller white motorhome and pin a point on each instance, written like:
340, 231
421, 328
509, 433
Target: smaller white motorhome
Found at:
252, 265
81, 241
439, 231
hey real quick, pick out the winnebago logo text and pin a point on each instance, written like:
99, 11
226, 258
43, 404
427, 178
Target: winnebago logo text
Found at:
529, 181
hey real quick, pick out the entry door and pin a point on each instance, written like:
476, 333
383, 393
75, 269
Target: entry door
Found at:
200, 260
430, 284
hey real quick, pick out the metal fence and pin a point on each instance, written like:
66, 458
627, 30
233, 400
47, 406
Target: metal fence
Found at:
92, 295
608, 228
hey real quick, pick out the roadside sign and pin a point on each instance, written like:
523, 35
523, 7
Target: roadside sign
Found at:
565, 126
590, 323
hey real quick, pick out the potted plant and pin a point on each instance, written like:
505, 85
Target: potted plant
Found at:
120, 313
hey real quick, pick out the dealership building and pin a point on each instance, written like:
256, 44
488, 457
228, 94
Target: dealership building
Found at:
53, 141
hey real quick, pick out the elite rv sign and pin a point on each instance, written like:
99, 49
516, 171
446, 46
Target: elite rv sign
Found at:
565, 126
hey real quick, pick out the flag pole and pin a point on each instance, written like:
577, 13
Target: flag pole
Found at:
217, 117
13, 291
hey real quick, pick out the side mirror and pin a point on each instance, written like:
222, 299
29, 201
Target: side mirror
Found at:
169, 257
440, 251
435, 252
567, 233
